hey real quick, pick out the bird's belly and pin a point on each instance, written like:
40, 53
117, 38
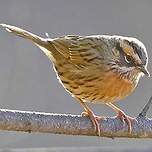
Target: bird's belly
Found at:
97, 89
114, 88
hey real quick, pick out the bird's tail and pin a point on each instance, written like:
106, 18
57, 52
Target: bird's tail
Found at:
43, 43
25, 34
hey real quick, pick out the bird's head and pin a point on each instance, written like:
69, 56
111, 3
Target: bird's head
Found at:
130, 57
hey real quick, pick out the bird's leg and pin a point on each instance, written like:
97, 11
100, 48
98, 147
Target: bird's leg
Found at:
89, 113
122, 116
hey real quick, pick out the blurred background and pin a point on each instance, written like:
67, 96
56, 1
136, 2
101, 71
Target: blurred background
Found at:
27, 79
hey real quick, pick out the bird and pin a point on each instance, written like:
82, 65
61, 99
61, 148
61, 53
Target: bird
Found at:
94, 69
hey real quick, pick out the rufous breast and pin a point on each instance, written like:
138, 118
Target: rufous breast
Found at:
115, 88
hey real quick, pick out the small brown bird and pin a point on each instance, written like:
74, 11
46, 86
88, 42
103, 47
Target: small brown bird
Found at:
96, 69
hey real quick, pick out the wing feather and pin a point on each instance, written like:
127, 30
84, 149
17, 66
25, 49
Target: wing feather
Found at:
78, 49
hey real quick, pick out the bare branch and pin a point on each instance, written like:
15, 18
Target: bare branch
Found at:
146, 108
71, 124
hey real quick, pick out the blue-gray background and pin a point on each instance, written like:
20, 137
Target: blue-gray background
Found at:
27, 80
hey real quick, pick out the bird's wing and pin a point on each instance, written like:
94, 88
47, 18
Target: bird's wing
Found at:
78, 49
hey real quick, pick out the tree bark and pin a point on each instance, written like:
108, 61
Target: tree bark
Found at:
68, 124
13, 120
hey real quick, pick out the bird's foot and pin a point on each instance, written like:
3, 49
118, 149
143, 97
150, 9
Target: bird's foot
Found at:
94, 119
125, 119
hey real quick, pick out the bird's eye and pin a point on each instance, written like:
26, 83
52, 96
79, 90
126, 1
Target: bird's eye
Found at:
128, 59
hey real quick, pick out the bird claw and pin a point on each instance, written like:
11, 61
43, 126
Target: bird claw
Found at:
125, 119
94, 119
85, 114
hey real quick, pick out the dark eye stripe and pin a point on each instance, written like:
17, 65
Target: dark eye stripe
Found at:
124, 56
137, 49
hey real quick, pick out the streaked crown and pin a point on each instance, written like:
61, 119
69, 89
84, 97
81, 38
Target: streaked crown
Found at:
132, 58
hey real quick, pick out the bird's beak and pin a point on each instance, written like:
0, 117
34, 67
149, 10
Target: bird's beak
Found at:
144, 70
